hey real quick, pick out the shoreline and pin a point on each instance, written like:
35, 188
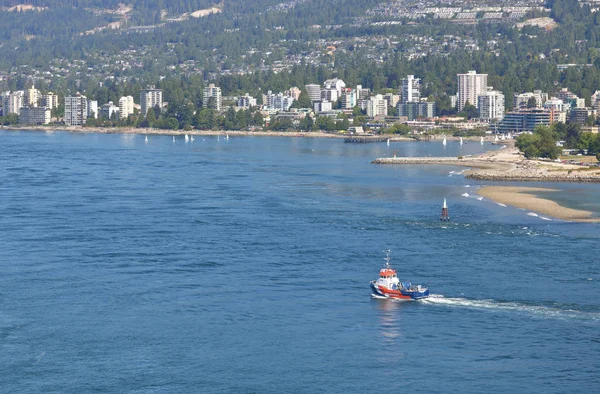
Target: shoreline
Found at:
507, 164
525, 198
301, 134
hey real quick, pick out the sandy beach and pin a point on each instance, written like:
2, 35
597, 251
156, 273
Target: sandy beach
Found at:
526, 198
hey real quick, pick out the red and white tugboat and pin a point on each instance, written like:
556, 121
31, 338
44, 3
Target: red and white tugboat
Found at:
389, 286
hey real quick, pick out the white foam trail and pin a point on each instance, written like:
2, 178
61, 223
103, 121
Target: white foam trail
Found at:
545, 218
465, 195
467, 185
480, 198
537, 310
535, 215
502, 205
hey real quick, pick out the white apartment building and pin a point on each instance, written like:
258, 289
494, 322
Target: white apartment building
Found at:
555, 104
34, 115
76, 110
246, 101
411, 89
470, 86
125, 107
12, 102
212, 97
277, 102
92, 109
50, 100
330, 94
522, 100
377, 106
336, 84
314, 92
150, 98
491, 105
109, 111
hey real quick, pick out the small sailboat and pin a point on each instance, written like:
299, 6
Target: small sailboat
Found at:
496, 138
218, 137
481, 140
146, 139
226, 136
461, 141
444, 141
192, 138
388, 142
187, 138
173, 139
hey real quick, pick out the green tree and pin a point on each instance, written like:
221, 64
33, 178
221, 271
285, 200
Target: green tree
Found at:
469, 111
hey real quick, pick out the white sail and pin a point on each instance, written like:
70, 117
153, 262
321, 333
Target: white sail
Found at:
146, 139
388, 142
444, 141
481, 140
173, 139
461, 142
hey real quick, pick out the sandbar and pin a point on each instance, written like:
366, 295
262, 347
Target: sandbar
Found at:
526, 198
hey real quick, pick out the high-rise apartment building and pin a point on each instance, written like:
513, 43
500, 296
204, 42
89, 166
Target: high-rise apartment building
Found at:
32, 95
377, 106
12, 102
212, 97
411, 89
470, 86
50, 100
314, 91
150, 98
76, 110
491, 105
125, 107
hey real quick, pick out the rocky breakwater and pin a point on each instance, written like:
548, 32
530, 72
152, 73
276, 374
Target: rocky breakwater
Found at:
420, 160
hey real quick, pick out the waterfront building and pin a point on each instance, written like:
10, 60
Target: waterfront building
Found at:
322, 106
277, 102
293, 92
411, 89
491, 105
109, 111
50, 100
314, 92
32, 96
125, 107
392, 99
525, 120
329, 94
377, 106
246, 101
92, 109
580, 115
416, 110
521, 100
12, 102
349, 99
336, 84
150, 98
362, 93
76, 110
34, 116
555, 104
211, 97
470, 86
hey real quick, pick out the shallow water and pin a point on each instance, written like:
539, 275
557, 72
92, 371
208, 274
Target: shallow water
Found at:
243, 266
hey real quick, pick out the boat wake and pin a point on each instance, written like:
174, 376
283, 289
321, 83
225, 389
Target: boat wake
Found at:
534, 310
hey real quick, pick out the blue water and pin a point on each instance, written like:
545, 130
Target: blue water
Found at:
243, 266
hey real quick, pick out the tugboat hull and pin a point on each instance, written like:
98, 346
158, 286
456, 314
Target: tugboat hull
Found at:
399, 294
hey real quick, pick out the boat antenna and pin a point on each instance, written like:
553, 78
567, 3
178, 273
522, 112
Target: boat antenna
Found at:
387, 258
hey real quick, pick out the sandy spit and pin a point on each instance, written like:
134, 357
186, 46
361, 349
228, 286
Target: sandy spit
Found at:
526, 198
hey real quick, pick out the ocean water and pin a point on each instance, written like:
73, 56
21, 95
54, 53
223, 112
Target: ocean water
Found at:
244, 266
